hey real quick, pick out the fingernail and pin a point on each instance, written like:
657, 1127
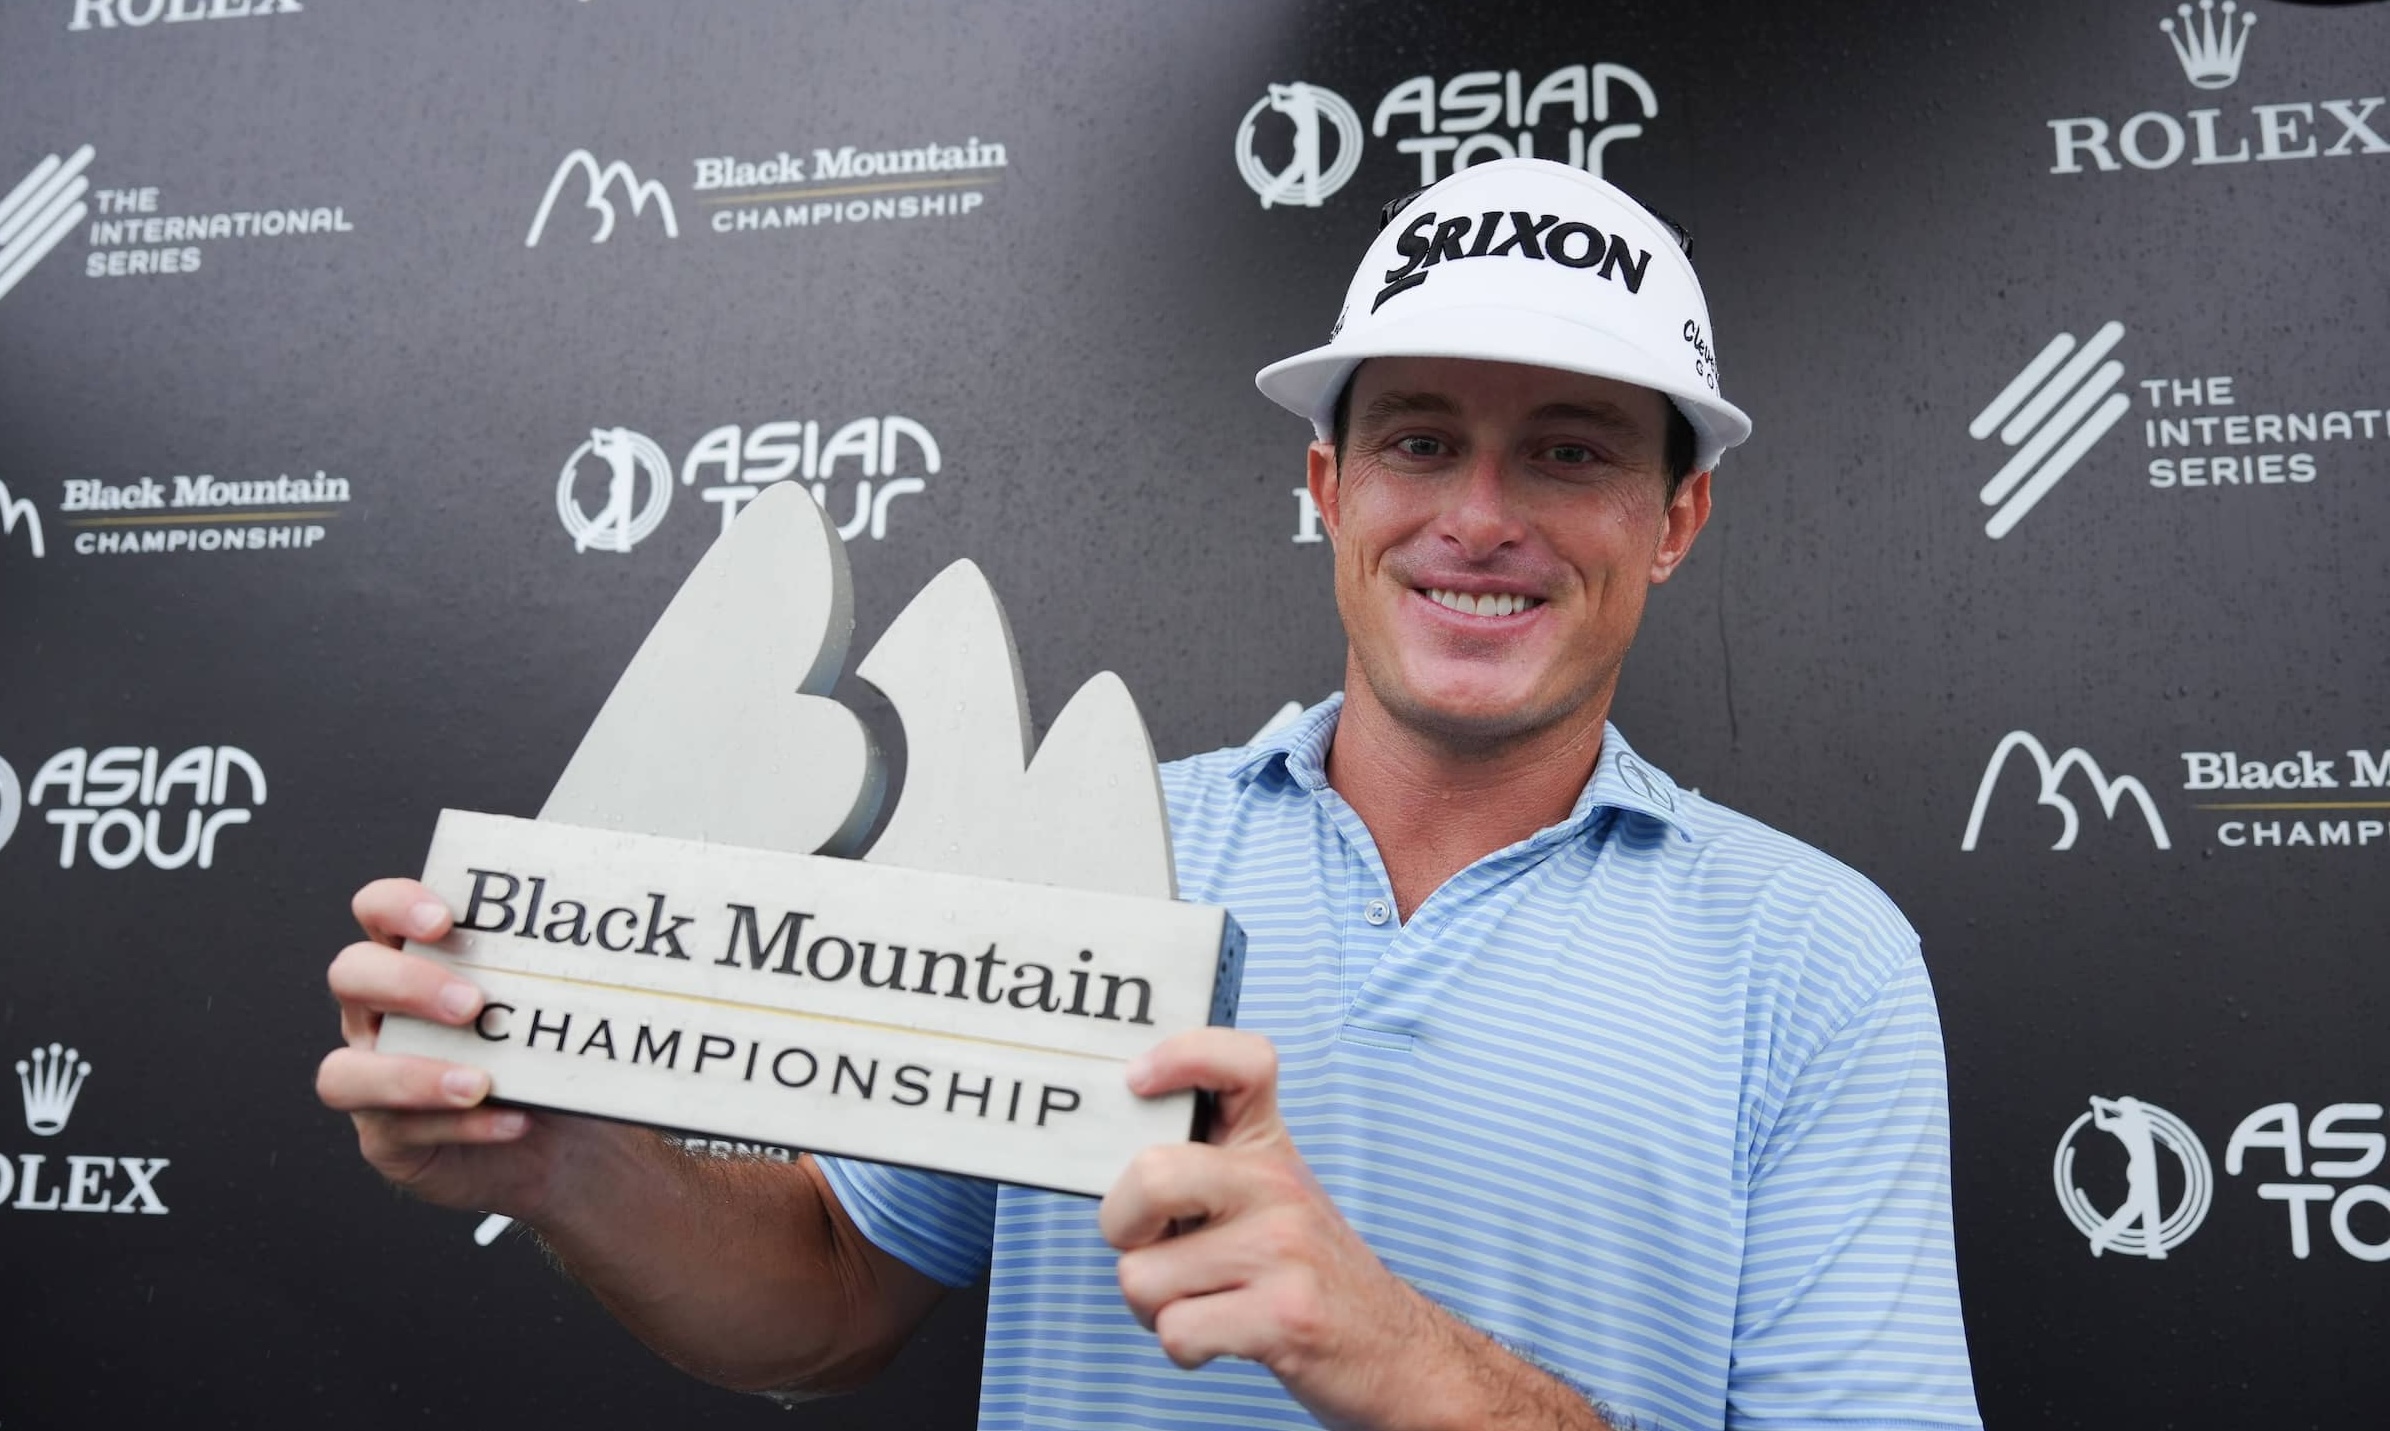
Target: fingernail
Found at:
510, 1125
1140, 1069
459, 1000
465, 1085
426, 917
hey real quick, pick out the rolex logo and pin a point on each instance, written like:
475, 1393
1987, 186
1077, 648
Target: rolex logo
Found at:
50, 1079
2210, 47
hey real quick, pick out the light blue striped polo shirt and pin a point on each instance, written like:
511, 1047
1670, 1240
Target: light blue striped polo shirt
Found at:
1654, 1097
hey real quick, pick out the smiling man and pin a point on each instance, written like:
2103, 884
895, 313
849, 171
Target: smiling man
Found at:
1560, 1096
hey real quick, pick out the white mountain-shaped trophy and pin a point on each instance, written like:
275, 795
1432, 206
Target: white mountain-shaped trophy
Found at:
678, 939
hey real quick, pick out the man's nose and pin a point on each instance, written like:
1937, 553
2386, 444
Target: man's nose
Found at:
1482, 516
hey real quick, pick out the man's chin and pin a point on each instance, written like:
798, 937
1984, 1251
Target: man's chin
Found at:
1471, 716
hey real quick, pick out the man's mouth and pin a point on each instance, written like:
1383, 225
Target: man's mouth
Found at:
1491, 603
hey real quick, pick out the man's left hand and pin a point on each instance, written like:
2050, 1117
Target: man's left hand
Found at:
1232, 1248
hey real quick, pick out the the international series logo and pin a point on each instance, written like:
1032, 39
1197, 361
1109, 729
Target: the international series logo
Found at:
134, 231
40, 211
2052, 412
2201, 432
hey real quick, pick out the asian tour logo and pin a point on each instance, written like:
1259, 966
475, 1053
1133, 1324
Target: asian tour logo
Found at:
2310, 1167
622, 521
1445, 125
1304, 181
50, 1079
2109, 790
616, 488
115, 805
2140, 1224
2052, 412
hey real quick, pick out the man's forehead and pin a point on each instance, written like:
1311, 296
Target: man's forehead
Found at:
1388, 388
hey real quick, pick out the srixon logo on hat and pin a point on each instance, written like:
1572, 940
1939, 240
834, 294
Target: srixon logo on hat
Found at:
1429, 240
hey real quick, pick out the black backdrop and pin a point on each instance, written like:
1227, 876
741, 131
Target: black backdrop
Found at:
1896, 208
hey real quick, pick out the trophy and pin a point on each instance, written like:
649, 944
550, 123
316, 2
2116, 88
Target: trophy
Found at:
688, 935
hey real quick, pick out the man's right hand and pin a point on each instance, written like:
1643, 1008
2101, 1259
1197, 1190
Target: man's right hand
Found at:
746, 1273
422, 1123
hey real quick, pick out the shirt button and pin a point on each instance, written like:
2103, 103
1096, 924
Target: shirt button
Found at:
1378, 912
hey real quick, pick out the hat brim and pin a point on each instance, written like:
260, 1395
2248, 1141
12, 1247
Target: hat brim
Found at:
1307, 383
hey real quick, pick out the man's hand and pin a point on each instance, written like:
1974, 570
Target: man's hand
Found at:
1232, 1248
421, 1123
748, 1274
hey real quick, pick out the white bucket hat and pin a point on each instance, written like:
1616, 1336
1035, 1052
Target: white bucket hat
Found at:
1589, 282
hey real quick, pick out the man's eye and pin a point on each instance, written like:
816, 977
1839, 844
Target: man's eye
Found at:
1419, 446
1572, 453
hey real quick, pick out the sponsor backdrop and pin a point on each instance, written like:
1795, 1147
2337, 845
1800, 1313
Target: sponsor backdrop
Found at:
371, 375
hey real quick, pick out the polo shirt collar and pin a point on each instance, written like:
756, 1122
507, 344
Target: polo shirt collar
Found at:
1622, 780
1626, 782
1299, 748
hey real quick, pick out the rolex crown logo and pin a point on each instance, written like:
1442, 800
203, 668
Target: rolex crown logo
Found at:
2210, 47
50, 1080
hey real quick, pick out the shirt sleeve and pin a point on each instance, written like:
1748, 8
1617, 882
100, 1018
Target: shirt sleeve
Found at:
1848, 1314
940, 1225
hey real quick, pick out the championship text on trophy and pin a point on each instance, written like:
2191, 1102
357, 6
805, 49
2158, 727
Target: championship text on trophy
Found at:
665, 945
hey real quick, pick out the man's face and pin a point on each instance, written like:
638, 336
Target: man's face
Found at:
1497, 527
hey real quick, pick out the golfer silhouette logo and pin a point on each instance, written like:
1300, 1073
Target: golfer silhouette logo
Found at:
620, 523
2140, 1225
1306, 181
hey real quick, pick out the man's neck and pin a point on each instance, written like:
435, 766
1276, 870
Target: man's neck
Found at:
1435, 807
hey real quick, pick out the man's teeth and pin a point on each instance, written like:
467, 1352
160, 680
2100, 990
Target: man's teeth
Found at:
1501, 603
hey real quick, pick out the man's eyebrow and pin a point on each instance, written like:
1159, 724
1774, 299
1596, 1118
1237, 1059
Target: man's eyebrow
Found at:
1394, 406
1602, 415
1388, 407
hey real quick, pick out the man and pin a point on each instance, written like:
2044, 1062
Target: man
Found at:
1560, 1097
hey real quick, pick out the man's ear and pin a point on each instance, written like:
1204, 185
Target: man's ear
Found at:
1688, 512
1323, 478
